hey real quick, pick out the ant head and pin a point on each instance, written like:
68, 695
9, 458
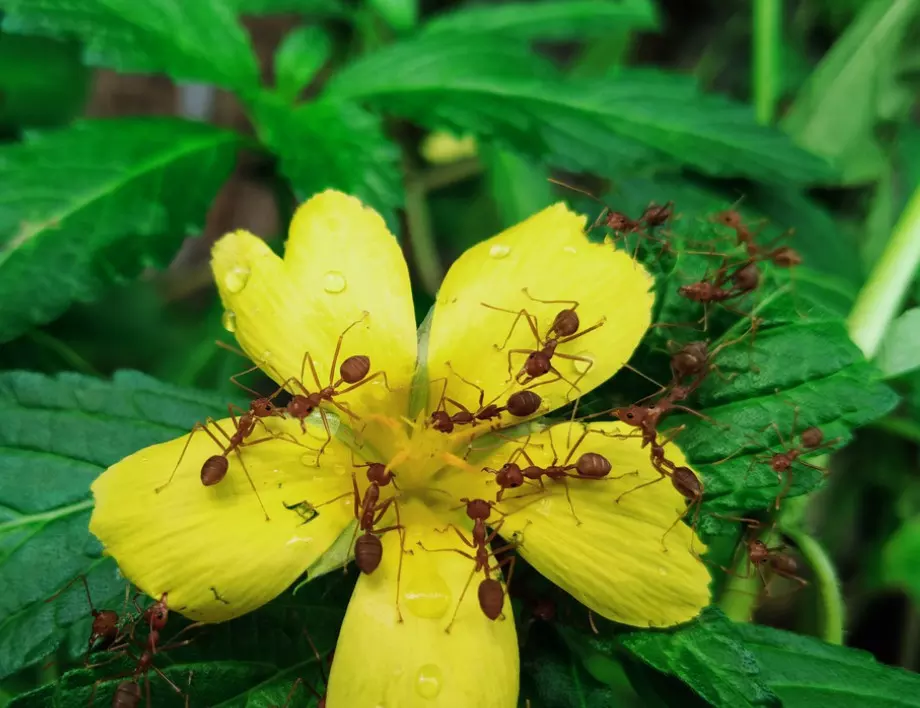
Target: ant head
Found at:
634, 415
523, 403
730, 218
656, 214
696, 291
758, 551
441, 422
618, 221
477, 508
812, 437
786, 257
157, 614
299, 407
510, 475
214, 470
780, 462
354, 368
261, 407
685, 481
537, 364
377, 473
566, 323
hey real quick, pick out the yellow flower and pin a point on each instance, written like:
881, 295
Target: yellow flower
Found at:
212, 549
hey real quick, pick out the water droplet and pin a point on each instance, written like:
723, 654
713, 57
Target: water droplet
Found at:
570, 249
334, 282
228, 320
308, 459
427, 596
580, 365
428, 681
499, 250
266, 355
236, 278
339, 468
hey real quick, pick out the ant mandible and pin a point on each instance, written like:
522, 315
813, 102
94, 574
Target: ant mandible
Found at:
491, 593
565, 328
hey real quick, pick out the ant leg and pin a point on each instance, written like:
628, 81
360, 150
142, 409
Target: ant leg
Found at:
365, 380
787, 487
568, 497
307, 359
447, 550
235, 382
583, 332
195, 428
482, 393
402, 552
574, 303
575, 357
458, 405
510, 365
460, 601
251, 483
531, 320
644, 484
338, 346
459, 533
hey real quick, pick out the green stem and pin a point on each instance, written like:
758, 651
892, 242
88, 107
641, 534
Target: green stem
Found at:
768, 20
830, 599
880, 299
67, 353
424, 250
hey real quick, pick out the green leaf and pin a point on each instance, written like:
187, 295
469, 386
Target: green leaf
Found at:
302, 53
97, 201
899, 559
808, 673
519, 185
401, 15
835, 113
42, 82
572, 20
499, 90
708, 655
60, 434
333, 145
280, 7
900, 350
200, 41
812, 367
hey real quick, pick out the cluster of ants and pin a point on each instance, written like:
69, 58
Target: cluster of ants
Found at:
117, 634
690, 365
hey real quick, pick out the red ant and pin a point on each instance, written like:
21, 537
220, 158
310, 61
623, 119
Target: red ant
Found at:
491, 592
565, 328
745, 278
811, 440
353, 371
760, 556
106, 624
782, 257
520, 404
320, 697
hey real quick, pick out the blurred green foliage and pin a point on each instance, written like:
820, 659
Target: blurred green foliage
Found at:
648, 101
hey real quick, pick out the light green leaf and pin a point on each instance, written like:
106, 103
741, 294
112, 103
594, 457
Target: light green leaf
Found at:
302, 53
61, 433
571, 20
900, 350
836, 111
200, 40
401, 15
808, 673
519, 185
500, 90
333, 145
97, 201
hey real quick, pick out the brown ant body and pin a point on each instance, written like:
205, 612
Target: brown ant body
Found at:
565, 328
520, 404
491, 593
782, 257
760, 556
106, 623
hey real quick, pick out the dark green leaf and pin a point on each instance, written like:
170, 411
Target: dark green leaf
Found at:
900, 350
279, 7
60, 434
708, 655
499, 89
97, 201
302, 53
826, 117
519, 186
808, 673
333, 145
199, 40
42, 82
899, 559
572, 20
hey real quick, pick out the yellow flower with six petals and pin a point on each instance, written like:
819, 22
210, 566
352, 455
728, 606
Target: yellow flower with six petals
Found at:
212, 549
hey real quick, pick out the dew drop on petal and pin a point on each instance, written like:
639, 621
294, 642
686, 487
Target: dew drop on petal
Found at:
570, 249
308, 459
334, 282
499, 250
428, 681
236, 278
580, 365
228, 320
427, 596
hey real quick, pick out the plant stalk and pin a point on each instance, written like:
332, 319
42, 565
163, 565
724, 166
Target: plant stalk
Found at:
830, 599
880, 299
421, 239
768, 20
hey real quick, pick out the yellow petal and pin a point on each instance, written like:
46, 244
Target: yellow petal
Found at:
382, 662
618, 561
340, 262
550, 256
211, 548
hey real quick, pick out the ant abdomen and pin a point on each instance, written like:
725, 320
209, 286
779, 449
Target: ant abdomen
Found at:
686, 482
523, 403
812, 437
491, 598
592, 464
214, 470
127, 695
355, 368
368, 552
566, 323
